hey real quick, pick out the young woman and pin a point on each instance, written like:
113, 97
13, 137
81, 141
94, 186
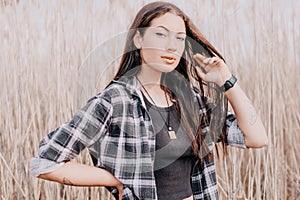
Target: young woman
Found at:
150, 133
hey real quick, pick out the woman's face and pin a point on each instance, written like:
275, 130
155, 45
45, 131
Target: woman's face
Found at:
163, 43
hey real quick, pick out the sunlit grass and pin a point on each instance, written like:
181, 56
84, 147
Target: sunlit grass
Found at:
44, 43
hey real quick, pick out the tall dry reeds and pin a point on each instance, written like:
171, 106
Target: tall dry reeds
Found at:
43, 51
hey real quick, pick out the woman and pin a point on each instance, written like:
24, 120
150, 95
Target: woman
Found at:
150, 132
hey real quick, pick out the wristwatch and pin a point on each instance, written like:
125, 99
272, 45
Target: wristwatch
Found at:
229, 83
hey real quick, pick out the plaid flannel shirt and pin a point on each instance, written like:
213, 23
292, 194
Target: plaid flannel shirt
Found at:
118, 132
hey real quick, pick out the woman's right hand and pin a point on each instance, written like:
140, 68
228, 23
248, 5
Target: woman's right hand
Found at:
120, 190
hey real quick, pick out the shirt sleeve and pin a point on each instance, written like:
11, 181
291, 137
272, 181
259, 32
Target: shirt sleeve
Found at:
42, 166
89, 124
235, 136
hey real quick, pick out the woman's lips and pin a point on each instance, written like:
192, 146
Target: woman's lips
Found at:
169, 59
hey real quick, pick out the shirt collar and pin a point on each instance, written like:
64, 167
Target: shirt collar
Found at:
132, 85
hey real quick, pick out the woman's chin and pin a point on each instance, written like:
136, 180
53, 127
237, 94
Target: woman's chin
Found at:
162, 67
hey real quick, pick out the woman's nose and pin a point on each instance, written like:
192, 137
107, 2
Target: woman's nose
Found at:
171, 44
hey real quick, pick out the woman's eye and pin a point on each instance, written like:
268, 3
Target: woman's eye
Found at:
160, 34
181, 38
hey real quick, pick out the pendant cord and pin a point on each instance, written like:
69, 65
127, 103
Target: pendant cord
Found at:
168, 118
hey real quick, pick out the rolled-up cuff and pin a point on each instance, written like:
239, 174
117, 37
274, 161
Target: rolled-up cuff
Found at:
235, 136
42, 166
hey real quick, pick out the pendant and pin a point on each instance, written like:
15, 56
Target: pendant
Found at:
172, 134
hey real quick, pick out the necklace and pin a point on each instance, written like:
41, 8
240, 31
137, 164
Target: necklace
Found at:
171, 132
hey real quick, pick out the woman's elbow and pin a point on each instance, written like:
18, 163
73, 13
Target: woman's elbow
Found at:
258, 142
265, 141
44, 176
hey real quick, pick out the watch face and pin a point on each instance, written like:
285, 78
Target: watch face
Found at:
232, 80
230, 83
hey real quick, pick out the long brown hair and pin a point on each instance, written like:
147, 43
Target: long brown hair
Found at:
178, 84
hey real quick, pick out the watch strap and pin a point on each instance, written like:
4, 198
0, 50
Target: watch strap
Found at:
229, 83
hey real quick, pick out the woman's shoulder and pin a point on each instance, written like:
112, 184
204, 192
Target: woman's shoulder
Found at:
110, 98
113, 92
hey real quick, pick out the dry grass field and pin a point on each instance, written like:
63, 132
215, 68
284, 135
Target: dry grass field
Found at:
45, 76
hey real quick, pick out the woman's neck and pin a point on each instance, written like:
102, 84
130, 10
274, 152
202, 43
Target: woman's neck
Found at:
151, 87
149, 77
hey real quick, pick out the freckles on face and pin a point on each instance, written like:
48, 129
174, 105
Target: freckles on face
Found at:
164, 42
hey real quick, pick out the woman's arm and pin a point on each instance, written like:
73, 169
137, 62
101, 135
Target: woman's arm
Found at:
247, 118
249, 122
76, 174
89, 124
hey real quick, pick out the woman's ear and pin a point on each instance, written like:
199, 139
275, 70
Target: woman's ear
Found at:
137, 39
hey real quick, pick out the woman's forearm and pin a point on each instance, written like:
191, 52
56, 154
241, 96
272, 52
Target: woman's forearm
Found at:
217, 71
72, 173
247, 117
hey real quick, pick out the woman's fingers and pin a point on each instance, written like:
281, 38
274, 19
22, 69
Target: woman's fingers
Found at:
199, 59
201, 74
120, 189
213, 69
212, 60
198, 56
207, 60
208, 63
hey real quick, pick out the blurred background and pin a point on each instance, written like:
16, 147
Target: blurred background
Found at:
45, 54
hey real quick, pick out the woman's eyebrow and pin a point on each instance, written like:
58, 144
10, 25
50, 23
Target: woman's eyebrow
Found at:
161, 26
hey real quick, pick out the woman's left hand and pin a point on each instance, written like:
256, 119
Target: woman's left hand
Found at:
214, 69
